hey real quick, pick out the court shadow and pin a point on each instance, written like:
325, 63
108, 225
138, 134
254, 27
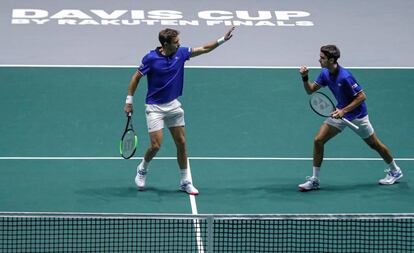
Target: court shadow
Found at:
366, 187
123, 192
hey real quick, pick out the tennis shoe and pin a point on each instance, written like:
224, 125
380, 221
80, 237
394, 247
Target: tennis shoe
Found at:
312, 183
391, 177
188, 187
140, 178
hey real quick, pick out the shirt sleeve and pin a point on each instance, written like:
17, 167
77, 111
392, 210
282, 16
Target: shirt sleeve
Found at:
320, 80
144, 68
186, 52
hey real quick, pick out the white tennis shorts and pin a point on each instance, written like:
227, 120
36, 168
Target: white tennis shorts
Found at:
365, 128
169, 114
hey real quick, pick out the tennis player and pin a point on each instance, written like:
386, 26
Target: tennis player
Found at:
351, 105
164, 68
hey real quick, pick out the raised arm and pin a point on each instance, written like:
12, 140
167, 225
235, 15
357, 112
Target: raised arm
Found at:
310, 87
196, 51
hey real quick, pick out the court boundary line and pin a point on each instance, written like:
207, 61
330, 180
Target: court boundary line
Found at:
194, 211
196, 66
199, 158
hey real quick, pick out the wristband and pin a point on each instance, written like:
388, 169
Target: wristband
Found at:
129, 100
305, 78
221, 41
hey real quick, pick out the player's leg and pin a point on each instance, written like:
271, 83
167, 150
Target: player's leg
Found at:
176, 124
378, 146
155, 124
367, 133
142, 169
186, 184
325, 133
178, 134
394, 173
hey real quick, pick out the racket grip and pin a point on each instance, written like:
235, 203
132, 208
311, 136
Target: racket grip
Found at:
349, 123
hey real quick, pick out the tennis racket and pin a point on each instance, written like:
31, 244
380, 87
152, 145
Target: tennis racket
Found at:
322, 105
129, 140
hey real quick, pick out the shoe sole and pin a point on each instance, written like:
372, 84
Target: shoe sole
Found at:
307, 190
395, 181
194, 194
140, 188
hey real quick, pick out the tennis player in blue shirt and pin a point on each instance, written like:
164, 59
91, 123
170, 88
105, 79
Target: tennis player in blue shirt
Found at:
164, 68
351, 105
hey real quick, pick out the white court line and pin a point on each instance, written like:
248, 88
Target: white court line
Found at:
194, 211
200, 67
199, 158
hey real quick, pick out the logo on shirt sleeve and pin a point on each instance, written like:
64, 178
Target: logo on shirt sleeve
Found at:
354, 86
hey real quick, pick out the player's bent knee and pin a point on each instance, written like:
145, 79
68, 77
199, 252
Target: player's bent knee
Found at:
318, 141
155, 147
180, 141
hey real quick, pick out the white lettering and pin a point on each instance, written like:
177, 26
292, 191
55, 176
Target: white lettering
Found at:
282, 23
239, 23
67, 22
71, 14
214, 22
137, 14
263, 15
120, 17
286, 15
129, 22
40, 21
165, 14
215, 15
150, 22
304, 23
114, 15
169, 22
29, 13
20, 21
188, 22
88, 22
109, 22
265, 23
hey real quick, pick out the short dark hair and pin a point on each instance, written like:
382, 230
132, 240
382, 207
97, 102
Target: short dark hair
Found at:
331, 51
167, 35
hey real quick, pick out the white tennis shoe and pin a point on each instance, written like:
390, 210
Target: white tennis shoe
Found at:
312, 183
188, 187
140, 178
391, 177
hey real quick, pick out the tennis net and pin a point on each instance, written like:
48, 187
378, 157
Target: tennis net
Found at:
77, 232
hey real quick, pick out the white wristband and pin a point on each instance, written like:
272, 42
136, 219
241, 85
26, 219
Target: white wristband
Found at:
129, 100
221, 41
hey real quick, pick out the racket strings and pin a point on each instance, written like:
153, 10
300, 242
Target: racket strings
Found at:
322, 105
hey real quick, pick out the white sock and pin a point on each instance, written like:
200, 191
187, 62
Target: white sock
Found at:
184, 175
316, 171
393, 166
144, 164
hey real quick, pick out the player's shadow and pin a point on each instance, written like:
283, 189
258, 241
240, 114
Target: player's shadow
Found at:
123, 192
286, 189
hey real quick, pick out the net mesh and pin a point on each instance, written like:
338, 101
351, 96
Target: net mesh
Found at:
208, 233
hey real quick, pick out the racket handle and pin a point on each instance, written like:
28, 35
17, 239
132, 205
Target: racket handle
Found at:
349, 123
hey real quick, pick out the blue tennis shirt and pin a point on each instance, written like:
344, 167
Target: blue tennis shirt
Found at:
165, 75
344, 87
